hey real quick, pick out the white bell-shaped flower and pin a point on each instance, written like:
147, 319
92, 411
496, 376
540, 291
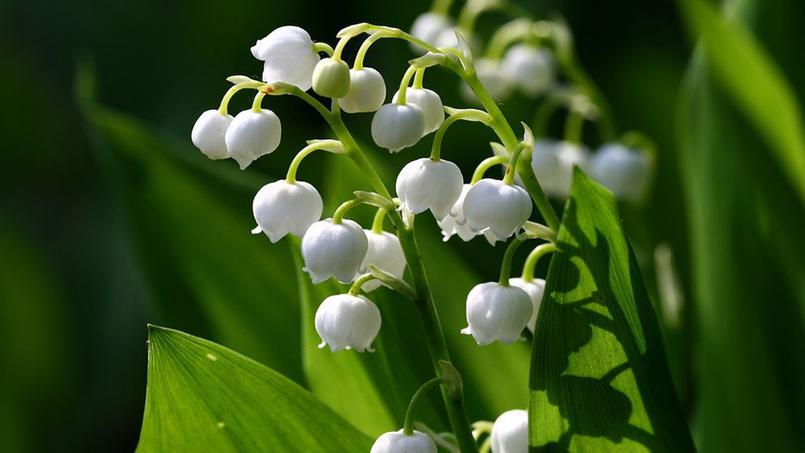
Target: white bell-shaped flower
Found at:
496, 208
428, 27
496, 313
344, 321
429, 102
455, 222
553, 162
397, 126
331, 78
398, 442
209, 132
510, 432
493, 77
334, 250
535, 290
253, 134
289, 56
623, 171
530, 68
280, 208
367, 91
385, 253
429, 184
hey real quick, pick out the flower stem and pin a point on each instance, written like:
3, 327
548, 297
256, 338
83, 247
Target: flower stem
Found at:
404, 82
465, 114
342, 209
327, 145
506, 265
573, 127
485, 165
365, 45
258, 102
355, 289
377, 223
224, 107
408, 424
508, 178
533, 257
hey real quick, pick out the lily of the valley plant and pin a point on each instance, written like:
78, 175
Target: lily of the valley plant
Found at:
525, 56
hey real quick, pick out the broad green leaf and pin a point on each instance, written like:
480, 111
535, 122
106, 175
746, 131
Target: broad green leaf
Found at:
204, 397
752, 80
599, 377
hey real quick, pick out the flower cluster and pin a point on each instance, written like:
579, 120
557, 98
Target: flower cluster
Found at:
522, 57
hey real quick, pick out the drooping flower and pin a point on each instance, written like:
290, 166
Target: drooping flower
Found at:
331, 78
496, 208
253, 134
623, 171
455, 222
344, 321
280, 208
367, 91
428, 26
385, 253
333, 250
399, 442
397, 126
289, 56
209, 132
553, 162
429, 102
530, 68
535, 290
496, 313
510, 432
429, 184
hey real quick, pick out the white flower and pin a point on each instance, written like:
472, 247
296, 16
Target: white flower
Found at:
535, 290
367, 91
253, 134
497, 208
289, 56
398, 442
493, 77
280, 208
510, 432
208, 134
455, 222
496, 313
428, 27
530, 68
333, 250
553, 163
397, 126
344, 321
331, 78
429, 102
385, 253
429, 184
622, 170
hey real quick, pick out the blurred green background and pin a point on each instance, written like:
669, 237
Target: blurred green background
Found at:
109, 219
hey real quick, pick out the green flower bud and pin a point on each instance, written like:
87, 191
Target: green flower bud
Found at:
331, 78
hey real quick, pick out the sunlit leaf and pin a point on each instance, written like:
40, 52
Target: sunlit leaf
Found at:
204, 397
599, 377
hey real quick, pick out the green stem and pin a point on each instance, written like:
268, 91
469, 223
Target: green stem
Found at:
485, 165
533, 257
579, 77
573, 127
506, 265
408, 424
367, 43
404, 82
342, 209
419, 78
377, 222
339, 48
326, 145
441, 7
258, 102
508, 34
508, 178
457, 115
355, 289
323, 47
224, 107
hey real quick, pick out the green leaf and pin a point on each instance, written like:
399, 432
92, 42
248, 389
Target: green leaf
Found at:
599, 377
204, 397
753, 81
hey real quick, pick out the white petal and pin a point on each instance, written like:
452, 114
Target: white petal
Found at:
396, 126
209, 132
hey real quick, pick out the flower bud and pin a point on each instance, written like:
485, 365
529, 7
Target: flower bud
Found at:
331, 78
333, 250
289, 56
496, 313
367, 91
344, 321
455, 222
530, 68
494, 79
429, 102
428, 27
553, 164
510, 432
385, 253
621, 170
535, 290
429, 184
253, 134
397, 126
208, 134
398, 442
497, 208
280, 208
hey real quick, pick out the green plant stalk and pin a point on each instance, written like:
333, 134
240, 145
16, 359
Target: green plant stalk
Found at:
408, 424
